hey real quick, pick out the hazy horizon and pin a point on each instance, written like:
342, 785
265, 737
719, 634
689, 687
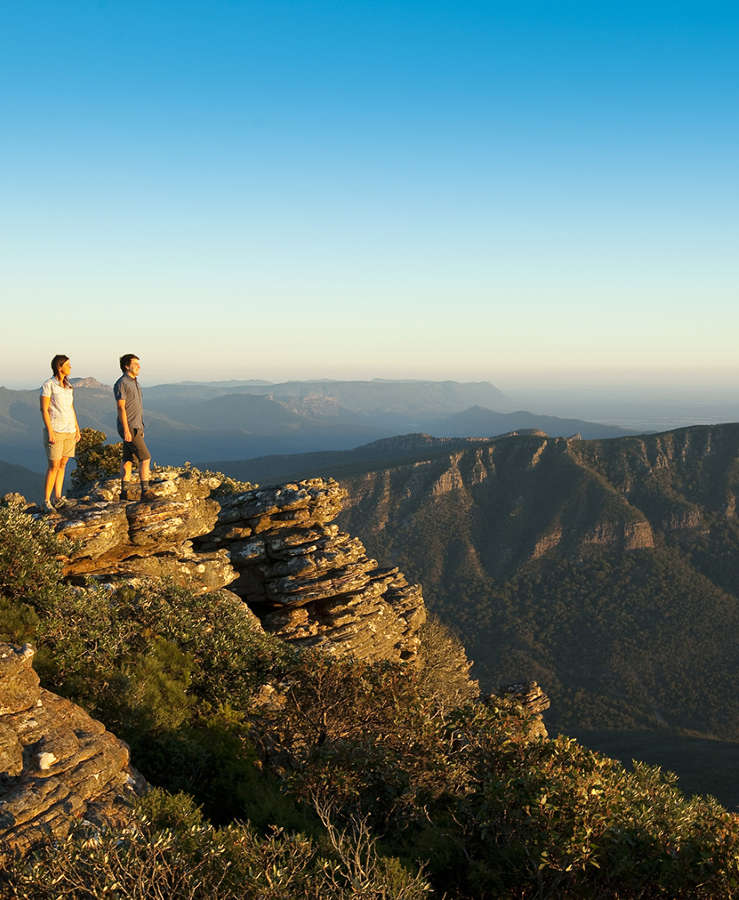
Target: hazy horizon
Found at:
634, 405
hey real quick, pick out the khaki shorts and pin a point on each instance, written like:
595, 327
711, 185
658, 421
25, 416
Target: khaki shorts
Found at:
63, 445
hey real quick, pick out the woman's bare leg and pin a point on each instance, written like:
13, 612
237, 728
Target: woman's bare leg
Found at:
51, 476
59, 480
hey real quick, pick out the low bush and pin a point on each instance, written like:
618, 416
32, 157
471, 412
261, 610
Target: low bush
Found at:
96, 460
30, 559
169, 851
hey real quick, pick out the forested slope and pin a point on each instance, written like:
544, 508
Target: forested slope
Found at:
607, 570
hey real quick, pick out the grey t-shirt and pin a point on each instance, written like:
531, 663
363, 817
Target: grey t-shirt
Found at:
127, 388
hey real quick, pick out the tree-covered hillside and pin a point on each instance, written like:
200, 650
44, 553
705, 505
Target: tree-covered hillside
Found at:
607, 570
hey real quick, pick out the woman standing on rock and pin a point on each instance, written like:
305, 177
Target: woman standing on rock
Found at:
62, 431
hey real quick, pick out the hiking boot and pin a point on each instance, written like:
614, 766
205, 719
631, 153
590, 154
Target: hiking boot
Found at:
49, 509
148, 495
60, 502
128, 493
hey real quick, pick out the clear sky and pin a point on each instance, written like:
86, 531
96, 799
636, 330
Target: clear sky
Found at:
521, 192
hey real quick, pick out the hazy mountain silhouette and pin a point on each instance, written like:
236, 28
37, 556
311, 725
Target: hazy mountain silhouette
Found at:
239, 420
20, 480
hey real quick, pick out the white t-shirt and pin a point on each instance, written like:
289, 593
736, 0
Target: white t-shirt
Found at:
61, 406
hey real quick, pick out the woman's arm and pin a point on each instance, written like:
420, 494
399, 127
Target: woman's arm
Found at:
45, 401
77, 434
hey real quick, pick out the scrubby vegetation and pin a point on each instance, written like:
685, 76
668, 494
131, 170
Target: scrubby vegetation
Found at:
287, 774
95, 459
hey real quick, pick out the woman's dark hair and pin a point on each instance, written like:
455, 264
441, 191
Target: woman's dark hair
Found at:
56, 364
126, 359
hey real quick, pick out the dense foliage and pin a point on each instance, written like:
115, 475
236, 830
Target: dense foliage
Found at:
357, 780
95, 459
30, 572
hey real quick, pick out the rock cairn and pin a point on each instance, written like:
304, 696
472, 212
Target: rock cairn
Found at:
56, 763
275, 547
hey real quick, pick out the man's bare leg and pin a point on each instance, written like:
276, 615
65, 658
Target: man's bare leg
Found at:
125, 478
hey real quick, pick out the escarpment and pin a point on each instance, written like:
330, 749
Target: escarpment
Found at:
56, 763
276, 547
520, 497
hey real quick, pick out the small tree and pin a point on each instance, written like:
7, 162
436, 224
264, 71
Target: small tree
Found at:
96, 460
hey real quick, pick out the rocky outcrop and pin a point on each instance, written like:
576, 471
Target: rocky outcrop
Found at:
56, 763
276, 547
531, 700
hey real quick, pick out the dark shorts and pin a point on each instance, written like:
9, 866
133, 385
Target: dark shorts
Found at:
135, 449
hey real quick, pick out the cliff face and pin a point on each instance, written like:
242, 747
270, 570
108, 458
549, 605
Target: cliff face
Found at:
510, 500
519, 498
276, 548
56, 763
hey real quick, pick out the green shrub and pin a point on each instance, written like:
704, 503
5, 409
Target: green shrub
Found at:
96, 460
30, 569
158, 683
18, 621
154, 666
168, 851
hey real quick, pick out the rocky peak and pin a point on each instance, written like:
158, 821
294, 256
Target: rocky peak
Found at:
531, 699
90, 382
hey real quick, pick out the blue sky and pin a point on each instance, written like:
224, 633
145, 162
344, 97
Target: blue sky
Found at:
528, 193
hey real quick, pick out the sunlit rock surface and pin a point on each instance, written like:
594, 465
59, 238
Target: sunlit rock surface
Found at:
56, 763
275, 547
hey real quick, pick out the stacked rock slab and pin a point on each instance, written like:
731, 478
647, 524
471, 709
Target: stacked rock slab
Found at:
532, 701
56, 763
275, 547
124, 540
311, 583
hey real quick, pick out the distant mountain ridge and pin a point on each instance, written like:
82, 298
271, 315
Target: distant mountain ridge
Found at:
478, 420
607, 570
237, 420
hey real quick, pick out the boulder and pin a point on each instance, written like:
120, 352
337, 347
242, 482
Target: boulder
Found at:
56, 763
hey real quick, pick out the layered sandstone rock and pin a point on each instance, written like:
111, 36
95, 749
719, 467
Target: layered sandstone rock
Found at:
56, 763
532, 701
275, 547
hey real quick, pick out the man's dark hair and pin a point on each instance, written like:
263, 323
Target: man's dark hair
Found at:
126, 359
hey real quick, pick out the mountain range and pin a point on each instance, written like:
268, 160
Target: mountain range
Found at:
199, 421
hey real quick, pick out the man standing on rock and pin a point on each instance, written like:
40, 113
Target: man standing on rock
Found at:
130, 425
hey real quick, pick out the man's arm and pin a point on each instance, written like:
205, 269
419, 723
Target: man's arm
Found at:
127, 436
